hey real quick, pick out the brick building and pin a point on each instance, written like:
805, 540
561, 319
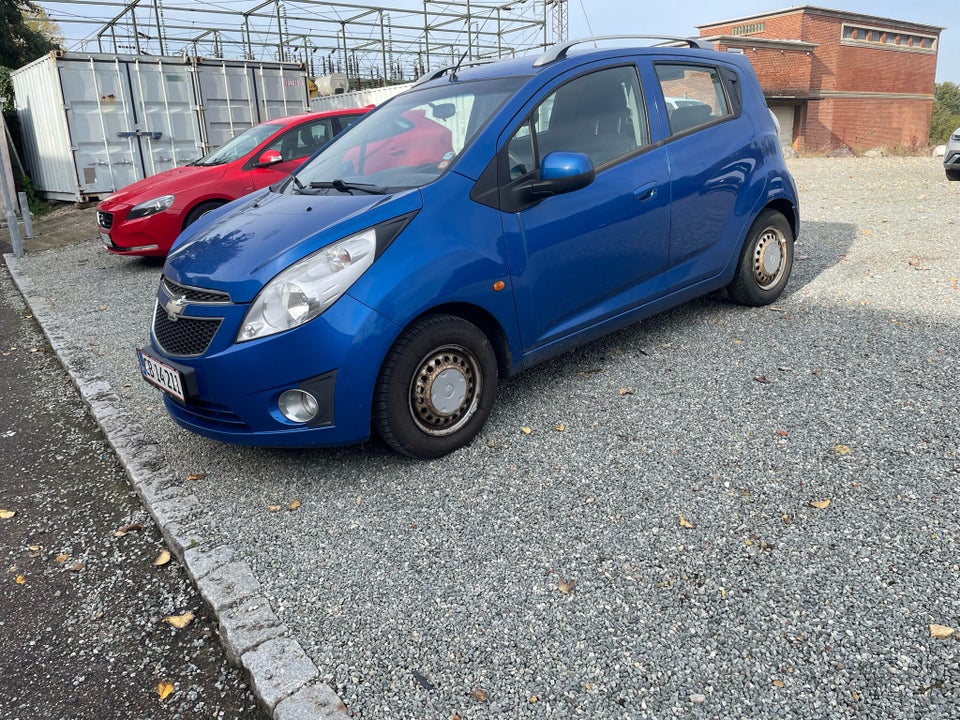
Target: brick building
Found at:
837, 78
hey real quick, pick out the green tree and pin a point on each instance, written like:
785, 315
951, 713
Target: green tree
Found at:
946, 112
22, 38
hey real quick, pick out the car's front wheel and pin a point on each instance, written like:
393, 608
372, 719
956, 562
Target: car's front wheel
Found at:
436, 387
765, 261
199, 211
952, 174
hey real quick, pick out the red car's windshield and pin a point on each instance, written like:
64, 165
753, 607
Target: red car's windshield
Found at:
240, 145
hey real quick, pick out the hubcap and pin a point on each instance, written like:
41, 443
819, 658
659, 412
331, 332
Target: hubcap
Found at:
769, 255
445, 390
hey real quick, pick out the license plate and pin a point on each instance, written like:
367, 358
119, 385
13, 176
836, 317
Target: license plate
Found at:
105, 239
166, 378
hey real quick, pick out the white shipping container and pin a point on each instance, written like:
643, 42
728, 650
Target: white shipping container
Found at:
94, 123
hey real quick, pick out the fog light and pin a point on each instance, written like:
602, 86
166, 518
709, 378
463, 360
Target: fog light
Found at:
298, 406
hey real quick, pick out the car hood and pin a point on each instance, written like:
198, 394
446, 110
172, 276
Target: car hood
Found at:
240, 250
168, 182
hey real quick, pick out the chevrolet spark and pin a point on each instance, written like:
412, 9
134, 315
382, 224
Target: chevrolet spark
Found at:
388, 286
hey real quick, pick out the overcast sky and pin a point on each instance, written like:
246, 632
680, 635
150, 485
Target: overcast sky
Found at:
609, 17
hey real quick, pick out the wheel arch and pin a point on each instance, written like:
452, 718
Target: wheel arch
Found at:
484, 320
785, 208
215, 201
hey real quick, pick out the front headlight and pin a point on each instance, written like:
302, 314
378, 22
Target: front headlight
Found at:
307, 288
150, 207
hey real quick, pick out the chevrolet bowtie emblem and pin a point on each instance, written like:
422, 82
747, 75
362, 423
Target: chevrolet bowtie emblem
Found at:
174, 307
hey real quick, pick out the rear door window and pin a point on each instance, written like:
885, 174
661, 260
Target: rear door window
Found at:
694, 95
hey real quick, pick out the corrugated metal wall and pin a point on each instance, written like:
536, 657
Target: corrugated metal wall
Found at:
94, 123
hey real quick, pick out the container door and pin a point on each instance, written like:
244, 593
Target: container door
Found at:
226, 100
167, 132
282, 91
96, 97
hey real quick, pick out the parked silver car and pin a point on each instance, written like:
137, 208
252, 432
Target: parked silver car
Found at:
951, 158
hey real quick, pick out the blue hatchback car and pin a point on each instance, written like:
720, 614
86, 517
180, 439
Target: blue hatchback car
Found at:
490, 217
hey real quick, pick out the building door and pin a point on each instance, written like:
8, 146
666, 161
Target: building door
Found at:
785, 115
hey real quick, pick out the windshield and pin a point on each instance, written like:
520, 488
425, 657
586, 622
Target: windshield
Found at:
240, 145
407, 142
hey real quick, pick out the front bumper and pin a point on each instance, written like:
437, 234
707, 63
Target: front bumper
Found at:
148, 236
235, 387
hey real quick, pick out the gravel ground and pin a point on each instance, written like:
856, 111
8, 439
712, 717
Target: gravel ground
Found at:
649, 549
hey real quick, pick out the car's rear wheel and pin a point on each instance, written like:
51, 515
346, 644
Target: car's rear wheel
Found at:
765, 262
199, 211
436, 387
952, 174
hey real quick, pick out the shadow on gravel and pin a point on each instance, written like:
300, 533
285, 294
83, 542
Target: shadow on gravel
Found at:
821, 246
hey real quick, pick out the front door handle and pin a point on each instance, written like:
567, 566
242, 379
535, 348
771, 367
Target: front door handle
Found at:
646, 192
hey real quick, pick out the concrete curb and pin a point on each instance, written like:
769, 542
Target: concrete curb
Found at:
282, 677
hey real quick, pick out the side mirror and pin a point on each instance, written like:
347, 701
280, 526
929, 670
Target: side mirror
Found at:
270, 157
562, 172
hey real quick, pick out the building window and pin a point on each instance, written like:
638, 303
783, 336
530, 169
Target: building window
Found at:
750, 29
879, 37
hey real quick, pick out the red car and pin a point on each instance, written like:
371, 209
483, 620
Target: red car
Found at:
145, 217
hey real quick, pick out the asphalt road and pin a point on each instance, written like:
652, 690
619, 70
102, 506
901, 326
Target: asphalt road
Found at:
720, 512
82, 604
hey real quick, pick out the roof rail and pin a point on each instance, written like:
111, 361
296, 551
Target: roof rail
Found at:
427, 77
559, 51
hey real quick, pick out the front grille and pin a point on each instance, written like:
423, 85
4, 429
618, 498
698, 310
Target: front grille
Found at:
104, 219
193, 294
186, 336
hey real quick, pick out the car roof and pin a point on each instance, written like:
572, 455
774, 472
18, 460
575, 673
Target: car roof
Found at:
288, 120
568, 54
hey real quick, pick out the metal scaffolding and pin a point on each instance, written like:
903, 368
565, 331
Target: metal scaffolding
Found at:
371, 45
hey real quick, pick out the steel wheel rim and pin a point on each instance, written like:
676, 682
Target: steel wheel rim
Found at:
445, 390
769, 258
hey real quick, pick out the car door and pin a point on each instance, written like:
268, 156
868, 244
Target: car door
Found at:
712, 156
295, 145
586, 256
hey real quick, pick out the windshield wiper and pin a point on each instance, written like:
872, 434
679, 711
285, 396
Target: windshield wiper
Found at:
346, 187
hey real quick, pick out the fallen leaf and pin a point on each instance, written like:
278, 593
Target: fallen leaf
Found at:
525, 430
180, 621
841, 449
787, 520
273, 508
566, 586
7, 514
21, 579
35, 550
762, 379
61, 558
533, 699
684, 523
625, 391
820, 504
941, 632
294, 504
560, 427
358, 500
196, 476
120, 532
480, 695
164, 689
77, 567
162, 559
779, 683
783, 433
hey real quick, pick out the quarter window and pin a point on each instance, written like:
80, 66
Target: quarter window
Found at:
693, 96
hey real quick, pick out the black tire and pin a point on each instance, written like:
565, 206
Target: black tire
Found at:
409, 408
199, 211
765, 262
952, 174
